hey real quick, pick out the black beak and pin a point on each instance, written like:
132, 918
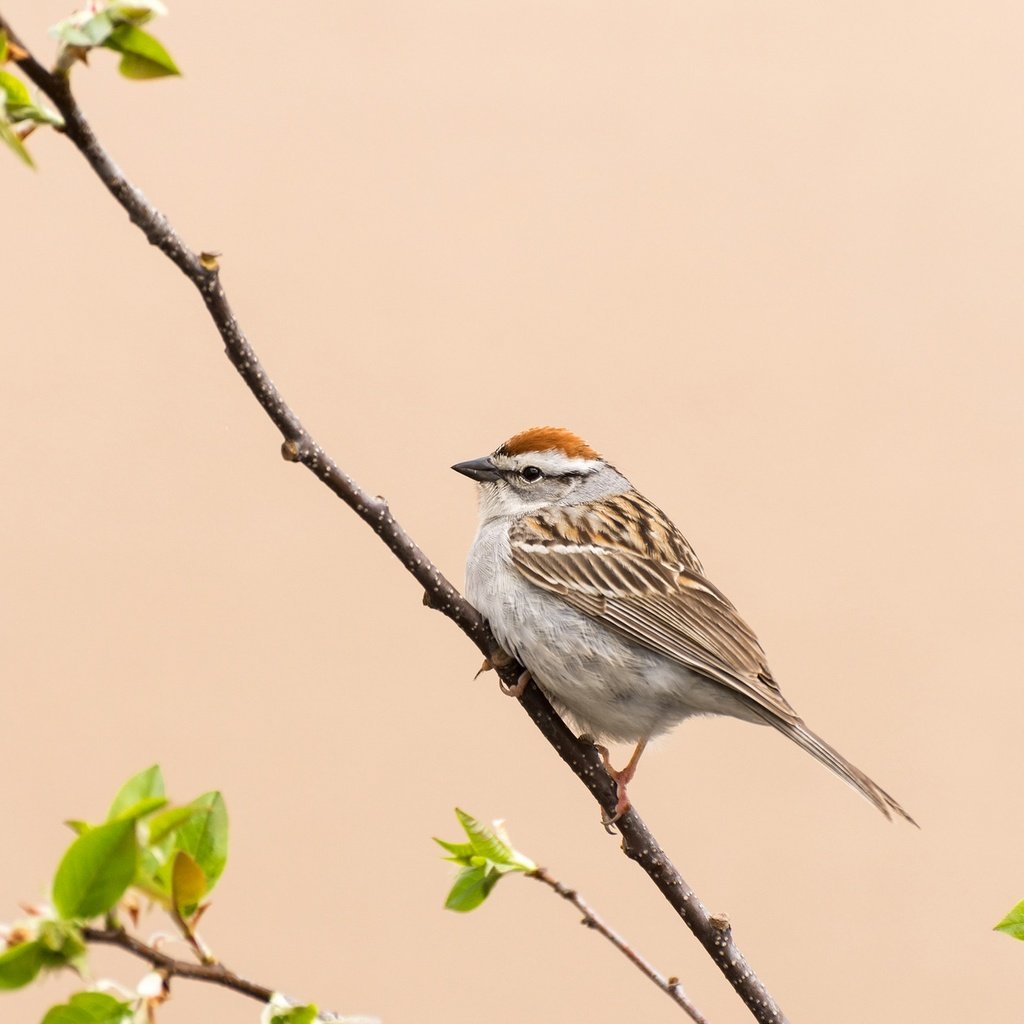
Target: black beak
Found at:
478, 469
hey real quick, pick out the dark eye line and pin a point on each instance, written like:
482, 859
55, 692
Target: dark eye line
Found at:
568, 474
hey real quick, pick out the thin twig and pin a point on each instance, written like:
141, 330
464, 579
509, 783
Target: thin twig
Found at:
170, 967
299, 446
215, 973
670, 986
192, 937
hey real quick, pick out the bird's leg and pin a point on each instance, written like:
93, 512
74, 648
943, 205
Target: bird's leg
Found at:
517, 689
622, 780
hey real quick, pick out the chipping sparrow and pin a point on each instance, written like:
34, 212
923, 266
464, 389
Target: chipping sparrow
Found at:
591, 587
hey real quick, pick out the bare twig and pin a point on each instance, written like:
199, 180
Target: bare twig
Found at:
299, 446
214, 973
670, 986
192, 937
170, 967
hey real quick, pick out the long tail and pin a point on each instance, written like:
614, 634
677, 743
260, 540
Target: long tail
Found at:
831, 758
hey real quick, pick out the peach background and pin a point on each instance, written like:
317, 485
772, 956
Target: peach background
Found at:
766, 257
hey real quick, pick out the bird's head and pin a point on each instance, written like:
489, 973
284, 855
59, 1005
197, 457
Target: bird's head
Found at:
537, 468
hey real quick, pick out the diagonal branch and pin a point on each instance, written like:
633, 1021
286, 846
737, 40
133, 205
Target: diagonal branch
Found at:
299, 446
670, 986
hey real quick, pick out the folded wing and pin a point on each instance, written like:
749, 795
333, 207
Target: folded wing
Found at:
642, 591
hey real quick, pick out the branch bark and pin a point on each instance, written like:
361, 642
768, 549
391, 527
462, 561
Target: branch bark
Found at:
212, 973
670, 986
299, 446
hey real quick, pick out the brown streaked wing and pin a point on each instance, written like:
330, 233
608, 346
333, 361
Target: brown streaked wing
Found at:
668, 608
648, 529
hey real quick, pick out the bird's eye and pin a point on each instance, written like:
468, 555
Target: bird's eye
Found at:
531, 473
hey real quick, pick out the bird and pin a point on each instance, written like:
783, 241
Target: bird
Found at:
595, 592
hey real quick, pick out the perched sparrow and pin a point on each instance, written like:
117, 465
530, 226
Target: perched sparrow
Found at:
591, 587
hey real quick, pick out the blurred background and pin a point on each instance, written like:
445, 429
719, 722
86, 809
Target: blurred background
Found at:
766, 258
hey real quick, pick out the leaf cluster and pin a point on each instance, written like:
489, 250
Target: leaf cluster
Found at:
109, 24
171, 855
19, 116
116, 25
486, 858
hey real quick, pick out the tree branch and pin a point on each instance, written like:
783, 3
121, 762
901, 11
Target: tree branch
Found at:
299, 446
214, 973
170, 967
670, 986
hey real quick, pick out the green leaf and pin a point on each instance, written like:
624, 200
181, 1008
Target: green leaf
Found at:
493, 844
96, 870
20, 964
146, 784
61, 944
65, 1014
90, 1008
160, 827
153, 876
188, 884
3, 46
142, 55
140, 69
205, 836
295, 1015
487, 856
99, 1002
10, 138
100, 1005
472, 886
485, 841
1013, 923
147, 805
41, 115
15, 90
156, 861
461, 853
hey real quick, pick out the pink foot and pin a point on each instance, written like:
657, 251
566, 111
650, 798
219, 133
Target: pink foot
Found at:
520, 686
621, 779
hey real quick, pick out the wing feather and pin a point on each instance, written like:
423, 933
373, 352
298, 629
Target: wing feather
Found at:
623, 563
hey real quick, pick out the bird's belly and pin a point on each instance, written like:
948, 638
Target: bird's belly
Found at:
611, 687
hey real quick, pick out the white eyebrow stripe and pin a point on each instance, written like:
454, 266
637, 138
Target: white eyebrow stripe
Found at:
551, 463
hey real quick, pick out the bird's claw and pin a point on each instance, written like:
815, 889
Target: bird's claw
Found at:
622, 805
621, 780
517, 689
609, 823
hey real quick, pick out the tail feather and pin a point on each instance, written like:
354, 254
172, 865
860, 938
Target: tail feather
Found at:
831, 758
